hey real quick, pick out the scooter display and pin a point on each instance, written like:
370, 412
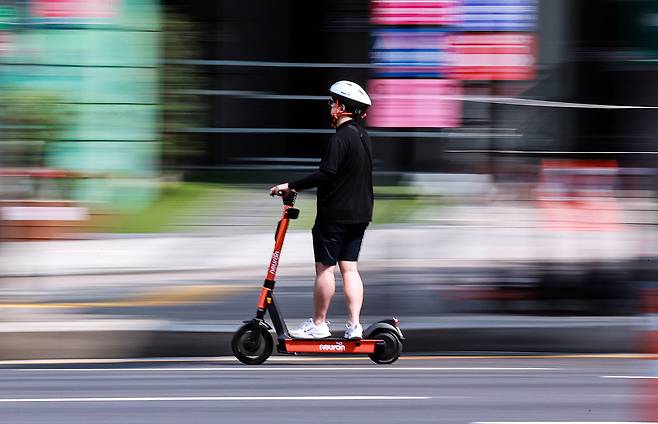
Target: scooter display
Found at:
252, 343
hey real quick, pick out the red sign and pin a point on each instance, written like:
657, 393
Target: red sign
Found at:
579, 195
6, 43
492, 56
409, 12
415, 103
74, 9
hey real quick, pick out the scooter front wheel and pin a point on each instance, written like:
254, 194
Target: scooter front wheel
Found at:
252, 345
387, 352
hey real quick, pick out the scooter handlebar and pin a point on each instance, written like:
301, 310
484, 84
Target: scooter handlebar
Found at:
288, 197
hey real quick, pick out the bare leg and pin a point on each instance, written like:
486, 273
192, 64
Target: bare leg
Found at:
325, 286
353, 287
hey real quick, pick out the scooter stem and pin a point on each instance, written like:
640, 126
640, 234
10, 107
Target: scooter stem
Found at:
289, 212
278, 245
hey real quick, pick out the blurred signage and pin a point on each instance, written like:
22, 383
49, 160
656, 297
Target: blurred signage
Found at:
412, 103
401, 12
409, 52
579, 195
492, 56
64, 11
6, 43
498, 15
8, 17
43, 213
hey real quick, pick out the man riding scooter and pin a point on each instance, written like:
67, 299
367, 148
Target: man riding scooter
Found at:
344, 210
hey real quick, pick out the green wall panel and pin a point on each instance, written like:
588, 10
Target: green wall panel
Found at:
105, 73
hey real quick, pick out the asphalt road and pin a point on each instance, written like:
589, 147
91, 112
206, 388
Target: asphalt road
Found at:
303, 390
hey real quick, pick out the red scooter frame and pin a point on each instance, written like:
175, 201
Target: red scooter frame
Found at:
252, 343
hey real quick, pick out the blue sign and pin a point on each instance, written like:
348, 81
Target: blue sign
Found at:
409, 52
498, 15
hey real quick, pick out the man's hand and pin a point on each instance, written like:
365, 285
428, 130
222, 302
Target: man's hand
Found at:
281, 187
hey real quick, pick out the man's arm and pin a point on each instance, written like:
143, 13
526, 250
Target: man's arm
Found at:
332, 157
315, 179
312, 180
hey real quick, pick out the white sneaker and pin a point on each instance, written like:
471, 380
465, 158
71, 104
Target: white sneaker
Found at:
308, 330
354, 331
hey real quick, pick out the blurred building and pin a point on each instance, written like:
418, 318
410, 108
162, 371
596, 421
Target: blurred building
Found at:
469, 86
474, 101
96, 65
270, 64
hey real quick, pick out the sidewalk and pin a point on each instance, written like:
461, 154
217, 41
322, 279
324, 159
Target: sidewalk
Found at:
413, 244
459, 236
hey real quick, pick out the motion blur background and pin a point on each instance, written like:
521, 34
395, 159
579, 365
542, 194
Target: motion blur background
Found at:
514, 146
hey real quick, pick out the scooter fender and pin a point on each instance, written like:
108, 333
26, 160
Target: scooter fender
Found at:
382, 325
259, 322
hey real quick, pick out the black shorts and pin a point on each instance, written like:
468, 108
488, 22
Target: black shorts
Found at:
337, 242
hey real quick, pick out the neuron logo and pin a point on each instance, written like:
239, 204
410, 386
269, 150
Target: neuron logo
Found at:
275, 262
336, 347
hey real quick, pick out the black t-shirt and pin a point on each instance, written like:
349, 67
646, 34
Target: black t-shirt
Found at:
344, 178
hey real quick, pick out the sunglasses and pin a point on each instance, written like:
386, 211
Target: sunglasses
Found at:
331, 103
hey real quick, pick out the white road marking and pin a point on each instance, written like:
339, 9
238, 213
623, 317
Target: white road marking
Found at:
246, 368
123, 360
629, 376
302, 359
209, 398
561, 422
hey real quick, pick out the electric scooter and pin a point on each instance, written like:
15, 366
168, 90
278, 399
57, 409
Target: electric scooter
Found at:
252, 343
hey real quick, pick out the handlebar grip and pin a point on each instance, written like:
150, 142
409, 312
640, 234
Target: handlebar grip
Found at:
288, 197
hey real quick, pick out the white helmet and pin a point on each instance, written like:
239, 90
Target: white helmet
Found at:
351, 94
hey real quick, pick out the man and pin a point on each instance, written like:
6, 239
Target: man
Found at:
344, 209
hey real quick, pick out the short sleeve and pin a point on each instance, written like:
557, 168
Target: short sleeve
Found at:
333, 155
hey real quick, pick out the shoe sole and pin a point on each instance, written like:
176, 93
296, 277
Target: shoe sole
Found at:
310, 338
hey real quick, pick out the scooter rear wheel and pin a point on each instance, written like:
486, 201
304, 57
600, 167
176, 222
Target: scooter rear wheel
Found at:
250, 348
389, 351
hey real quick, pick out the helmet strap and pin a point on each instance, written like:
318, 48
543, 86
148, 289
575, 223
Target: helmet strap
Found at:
335, 117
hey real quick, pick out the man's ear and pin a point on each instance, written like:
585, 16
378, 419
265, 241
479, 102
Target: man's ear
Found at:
341, 108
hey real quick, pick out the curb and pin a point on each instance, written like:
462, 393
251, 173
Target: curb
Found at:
162, 342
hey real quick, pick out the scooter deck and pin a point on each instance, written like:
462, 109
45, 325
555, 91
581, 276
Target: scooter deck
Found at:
329, 345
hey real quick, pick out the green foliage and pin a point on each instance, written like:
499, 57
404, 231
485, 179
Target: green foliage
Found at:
181, 108
29, 119
393, 205
174, 199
